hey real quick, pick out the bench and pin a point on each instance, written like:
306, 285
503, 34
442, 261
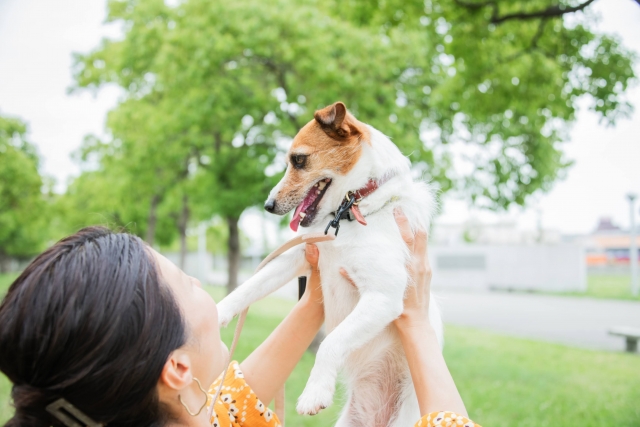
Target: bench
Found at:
631, 335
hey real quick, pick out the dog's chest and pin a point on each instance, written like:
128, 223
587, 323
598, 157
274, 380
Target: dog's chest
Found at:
340, 297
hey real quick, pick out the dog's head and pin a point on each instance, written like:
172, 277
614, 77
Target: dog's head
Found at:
327, 148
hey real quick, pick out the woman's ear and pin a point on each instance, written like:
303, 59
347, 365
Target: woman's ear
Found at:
177, 372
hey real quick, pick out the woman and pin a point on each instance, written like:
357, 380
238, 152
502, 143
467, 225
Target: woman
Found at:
100, 329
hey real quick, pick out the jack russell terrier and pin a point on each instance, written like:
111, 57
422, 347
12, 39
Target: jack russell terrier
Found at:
347, 175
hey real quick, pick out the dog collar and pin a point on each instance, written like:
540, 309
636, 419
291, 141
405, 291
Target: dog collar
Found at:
349, 206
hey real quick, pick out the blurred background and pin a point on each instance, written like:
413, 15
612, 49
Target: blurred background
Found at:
170, 119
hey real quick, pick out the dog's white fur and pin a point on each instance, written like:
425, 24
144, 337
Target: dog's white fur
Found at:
380, 390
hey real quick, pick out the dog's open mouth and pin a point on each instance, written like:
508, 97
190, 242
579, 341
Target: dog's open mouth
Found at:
307, 210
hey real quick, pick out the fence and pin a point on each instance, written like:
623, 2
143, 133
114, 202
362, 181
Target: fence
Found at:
552, 268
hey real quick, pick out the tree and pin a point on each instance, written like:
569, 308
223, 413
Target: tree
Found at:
225, 83
507, 78
23, 220
214, 90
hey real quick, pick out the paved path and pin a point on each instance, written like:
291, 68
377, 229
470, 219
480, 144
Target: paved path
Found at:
581, 322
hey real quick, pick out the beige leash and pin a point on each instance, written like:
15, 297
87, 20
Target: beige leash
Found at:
298, 240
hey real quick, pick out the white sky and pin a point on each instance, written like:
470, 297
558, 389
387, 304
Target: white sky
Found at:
37, 38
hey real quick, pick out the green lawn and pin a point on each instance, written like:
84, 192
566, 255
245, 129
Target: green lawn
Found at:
611, 287
505, 382
604, 287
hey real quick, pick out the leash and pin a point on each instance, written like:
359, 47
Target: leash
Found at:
298, 240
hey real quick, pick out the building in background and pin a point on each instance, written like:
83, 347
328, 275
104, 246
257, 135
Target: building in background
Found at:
607, 246
500, 256
500, 233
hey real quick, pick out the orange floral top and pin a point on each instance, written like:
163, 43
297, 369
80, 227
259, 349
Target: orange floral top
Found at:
445, 419
238, 406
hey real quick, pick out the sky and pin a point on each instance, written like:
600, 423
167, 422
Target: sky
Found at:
39, 37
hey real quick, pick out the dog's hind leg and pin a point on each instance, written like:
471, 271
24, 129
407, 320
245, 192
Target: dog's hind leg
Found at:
275, 274
372, 314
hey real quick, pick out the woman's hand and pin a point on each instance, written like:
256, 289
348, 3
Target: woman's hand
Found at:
416, 301
312, 297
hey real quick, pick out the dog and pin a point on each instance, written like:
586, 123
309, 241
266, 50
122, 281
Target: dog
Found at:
335, 160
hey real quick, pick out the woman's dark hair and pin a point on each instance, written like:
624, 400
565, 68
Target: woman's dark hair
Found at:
90, 321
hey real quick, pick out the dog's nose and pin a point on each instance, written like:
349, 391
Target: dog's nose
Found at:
270, 205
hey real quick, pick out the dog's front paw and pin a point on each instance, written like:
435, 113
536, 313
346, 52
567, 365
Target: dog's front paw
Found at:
225, 314
315, 398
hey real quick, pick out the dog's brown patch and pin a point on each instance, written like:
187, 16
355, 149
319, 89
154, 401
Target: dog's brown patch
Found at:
332, 140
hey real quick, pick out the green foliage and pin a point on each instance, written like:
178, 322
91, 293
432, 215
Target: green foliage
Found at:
507, 77
5, 281
23, 221
121, 181
217, 234
479, 95
217, 85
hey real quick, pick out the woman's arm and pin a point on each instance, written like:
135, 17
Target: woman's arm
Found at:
269, 366
432, 380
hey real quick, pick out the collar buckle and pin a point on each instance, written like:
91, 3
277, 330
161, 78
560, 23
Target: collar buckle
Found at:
342, 212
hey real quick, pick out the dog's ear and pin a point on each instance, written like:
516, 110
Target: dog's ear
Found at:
336, 121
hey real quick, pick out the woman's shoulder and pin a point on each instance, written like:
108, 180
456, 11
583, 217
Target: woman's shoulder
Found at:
237, 404
442, 419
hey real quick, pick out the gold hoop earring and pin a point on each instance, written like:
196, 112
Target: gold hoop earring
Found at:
206, 399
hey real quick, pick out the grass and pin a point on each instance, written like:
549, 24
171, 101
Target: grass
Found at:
504, 381
507, 382
601, 287
604, 287
610, 287
5, 405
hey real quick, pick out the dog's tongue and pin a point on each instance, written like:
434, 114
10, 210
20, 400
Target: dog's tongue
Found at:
295, 221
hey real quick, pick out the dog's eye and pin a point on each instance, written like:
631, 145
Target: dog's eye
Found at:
298, 160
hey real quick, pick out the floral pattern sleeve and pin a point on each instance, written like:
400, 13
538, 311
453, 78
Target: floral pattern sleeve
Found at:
445, 419
238, 405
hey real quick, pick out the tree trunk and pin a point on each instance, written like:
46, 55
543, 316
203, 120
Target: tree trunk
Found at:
182, 227
233, 246
152, 221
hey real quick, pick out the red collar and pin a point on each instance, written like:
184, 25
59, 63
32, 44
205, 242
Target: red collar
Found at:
372, 185
363, 192
366, 190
